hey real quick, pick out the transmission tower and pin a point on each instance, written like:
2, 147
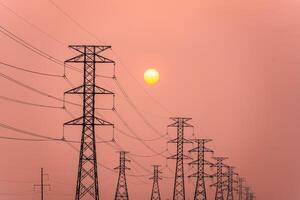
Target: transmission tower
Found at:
87, 178
179, 123
230, 174
241, 181
219, 175
122, 191
252, 196
200, 190
155, 194
42, 185
247, 193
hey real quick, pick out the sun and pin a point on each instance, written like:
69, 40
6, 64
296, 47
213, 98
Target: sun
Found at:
151, 76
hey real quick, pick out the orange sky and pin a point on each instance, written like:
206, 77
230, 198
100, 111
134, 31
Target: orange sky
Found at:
230, 65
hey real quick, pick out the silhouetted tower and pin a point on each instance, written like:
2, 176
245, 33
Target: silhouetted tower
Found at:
230, 180
155, 194
200, 190
247, 193
122, 191
241, 181
179, 123
219, 175
87, 178
252, 196
42, 185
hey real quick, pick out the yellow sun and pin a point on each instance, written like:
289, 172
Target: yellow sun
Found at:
151, 76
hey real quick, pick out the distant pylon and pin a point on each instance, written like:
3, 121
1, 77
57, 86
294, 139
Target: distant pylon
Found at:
200, 190
252, 196
247, 193
87, 178
230, 180
122, 190
241, 181
179, 123
219, 175
155, 194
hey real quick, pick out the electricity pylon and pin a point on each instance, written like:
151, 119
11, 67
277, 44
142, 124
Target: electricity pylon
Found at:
229, 185
122, 190
87, 178
219, 175
241, 181
155, 194
252, 196
42, 185
200, 190
180, 123
247, 193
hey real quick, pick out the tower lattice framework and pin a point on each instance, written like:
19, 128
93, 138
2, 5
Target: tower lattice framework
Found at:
180, 123
230, 181
219, 195
87, 186
200, 149
155, 194
240, 188
122, 190
247, 193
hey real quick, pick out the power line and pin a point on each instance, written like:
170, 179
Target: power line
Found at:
74, 21
29, 103
25, 44
36, 90
43, 137
31, 24
130, 129
30, 71
135, 108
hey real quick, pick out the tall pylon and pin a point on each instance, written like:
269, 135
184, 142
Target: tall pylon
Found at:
230, 181
87, 187
155, 194
122, 190
219, 175
200, 190
241, 181
180, 123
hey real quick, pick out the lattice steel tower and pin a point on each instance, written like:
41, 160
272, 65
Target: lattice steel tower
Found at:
200, 190
87, 178
247, 193
219, 175
122, 190
241, 181
155, 194
230, 180
179, 123
252, 196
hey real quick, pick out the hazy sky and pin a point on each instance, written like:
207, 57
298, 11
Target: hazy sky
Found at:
230, 65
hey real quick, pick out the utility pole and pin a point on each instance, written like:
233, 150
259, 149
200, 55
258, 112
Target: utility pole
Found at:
87, 177
219, 175
122, 190
230, 174
42, 185
241, 181
155, 194
200, 190
180, 123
